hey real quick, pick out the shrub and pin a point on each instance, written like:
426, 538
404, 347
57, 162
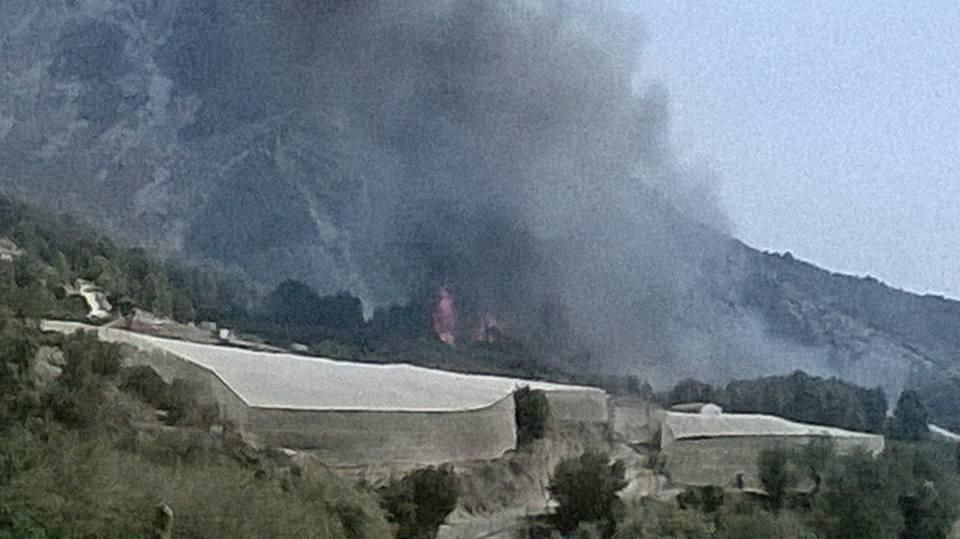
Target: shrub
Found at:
651, 519
706, 499
775, 475
910, 418
585, 489
75, 485
758, 524
860, 497
85, 352
532, 414
78, 396
18, 392
419, 502
185, 405
144, 382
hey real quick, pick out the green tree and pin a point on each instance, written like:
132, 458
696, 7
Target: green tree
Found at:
775, 475
182, 306
910, 420
690, 390
419, 502
18, 395
293, 302
860, 498
875, 408
532, 411
78, 397
157, 295
651, 519
585, 489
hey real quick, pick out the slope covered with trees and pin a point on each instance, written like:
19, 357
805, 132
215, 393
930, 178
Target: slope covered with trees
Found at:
81, 458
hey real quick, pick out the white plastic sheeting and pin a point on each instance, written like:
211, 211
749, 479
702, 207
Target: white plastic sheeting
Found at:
680, 426
294, 382
944, 433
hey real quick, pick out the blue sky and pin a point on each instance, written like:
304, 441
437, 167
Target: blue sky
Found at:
834, 126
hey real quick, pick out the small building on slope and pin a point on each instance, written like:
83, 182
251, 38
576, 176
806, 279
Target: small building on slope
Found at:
715, 449
353, 413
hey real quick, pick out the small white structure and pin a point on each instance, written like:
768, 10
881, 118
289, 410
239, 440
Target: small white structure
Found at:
9, 250
206, 325
705, 408
99, 307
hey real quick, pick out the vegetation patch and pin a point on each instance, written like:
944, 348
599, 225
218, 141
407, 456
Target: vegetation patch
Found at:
420, 502
532, 414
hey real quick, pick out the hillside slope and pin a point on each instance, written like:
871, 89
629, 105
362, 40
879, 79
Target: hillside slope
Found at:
372, 149
869, 332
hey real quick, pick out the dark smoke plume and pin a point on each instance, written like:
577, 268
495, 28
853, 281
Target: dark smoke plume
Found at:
504, 150
517, 163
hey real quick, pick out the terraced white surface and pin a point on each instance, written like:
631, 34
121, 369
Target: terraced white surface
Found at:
686, 425
289, 381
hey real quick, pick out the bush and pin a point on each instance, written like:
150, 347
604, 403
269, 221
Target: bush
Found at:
76, 485
144, 382
78, 396
776, 475
419, 502
860, 497
706, 499
85, 352
758, 524
185, 405
585, 489
532, 414
651, 519
910, 418
18, 393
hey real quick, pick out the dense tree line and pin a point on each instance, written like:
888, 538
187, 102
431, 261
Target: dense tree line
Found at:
73, 464
57, 251
799, 396
910, 490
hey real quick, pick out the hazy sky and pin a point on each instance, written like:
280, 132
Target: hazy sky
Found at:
835, 126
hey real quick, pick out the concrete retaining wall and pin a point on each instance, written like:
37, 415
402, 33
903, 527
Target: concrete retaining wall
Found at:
636, 421
578, 405
717, 461
350, 438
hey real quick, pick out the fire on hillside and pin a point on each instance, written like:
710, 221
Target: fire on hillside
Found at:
488, 329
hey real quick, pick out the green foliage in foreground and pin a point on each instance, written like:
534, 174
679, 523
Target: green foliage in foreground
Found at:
910, 491
73, 465
532, 414
77, 484
775, 475
651, 519
585, 489
419, 502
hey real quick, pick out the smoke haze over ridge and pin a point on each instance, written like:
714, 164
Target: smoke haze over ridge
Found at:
503, 149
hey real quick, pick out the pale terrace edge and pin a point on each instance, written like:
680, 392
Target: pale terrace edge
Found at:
148, 342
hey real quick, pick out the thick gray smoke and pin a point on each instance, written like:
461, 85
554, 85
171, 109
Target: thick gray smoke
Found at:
527, 171
503, 149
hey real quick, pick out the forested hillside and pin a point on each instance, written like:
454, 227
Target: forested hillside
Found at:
865, 340
84, 454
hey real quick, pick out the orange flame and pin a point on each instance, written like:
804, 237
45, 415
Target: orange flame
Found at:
445, 316
489, 329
